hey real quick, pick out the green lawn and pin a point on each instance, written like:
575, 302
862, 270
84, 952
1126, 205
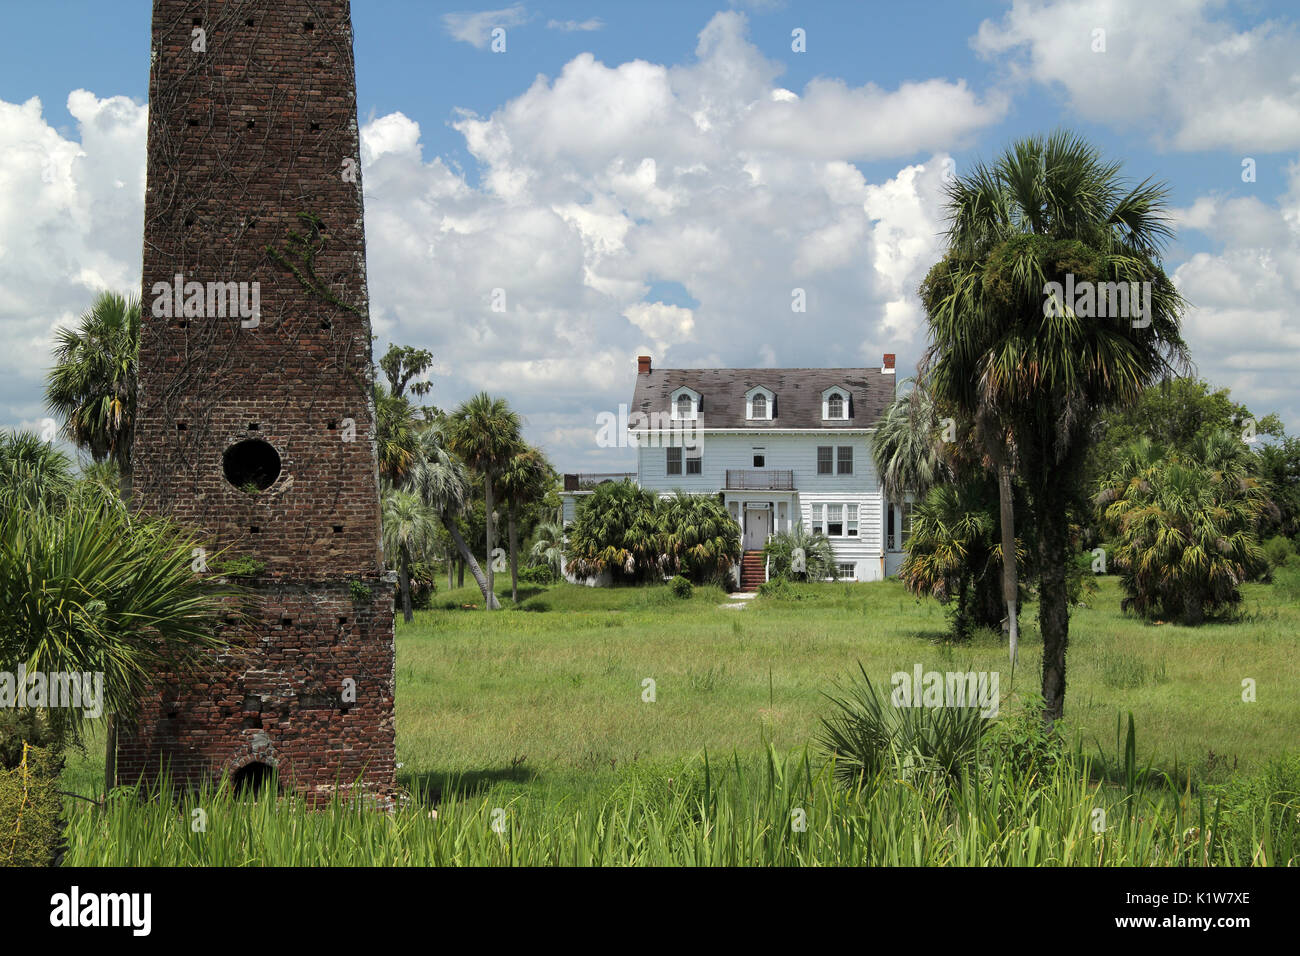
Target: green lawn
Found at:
550, 693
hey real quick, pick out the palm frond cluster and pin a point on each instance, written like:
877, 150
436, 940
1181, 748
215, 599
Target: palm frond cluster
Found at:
1185, 527
634, 535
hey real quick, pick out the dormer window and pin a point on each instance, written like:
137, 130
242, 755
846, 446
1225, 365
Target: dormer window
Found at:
835, 404
760, 404
685, 404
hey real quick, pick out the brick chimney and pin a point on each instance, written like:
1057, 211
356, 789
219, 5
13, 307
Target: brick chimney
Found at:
643, 365
887, 368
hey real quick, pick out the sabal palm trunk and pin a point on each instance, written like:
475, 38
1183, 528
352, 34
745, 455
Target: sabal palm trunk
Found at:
404, 581
1010, 573
1053, 600
514, 554
467, 557
488, 535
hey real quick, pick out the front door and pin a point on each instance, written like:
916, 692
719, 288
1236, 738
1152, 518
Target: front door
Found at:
758, 524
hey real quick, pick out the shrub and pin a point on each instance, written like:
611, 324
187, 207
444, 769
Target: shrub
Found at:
1278, 550
801, 555
867, 735
682, 588
697, 538
31, 809
777, 588
538, 574
614, 531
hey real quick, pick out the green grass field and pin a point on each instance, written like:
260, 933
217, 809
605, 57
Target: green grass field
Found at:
538, 713
551, 691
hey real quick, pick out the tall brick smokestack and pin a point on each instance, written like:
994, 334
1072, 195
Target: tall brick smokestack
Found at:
255, 411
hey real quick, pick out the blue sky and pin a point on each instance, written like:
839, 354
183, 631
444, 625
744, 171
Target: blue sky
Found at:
658, 177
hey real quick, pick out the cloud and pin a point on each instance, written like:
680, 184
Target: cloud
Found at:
476, 28
1242, 329
575, 26
71, 220
1176, 69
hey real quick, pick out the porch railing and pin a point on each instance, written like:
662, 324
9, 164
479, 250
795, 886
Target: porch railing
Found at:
759, 479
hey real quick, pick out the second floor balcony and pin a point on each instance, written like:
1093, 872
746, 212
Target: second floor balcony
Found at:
759, 479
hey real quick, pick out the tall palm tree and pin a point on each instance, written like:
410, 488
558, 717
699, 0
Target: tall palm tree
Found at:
396, 435
905, 449
408, 533
92, 386
1021, 363
524, 479
484, 433
440, 480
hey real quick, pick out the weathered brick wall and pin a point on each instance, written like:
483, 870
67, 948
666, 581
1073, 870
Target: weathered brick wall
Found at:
254, 177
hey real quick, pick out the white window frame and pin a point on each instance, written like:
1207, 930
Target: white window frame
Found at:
826, 404
819, 516
769, 398
695, 403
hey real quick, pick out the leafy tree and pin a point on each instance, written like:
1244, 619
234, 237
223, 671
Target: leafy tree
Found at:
801, 554
697, 537
401, 364
1021, 364
92, 386
409, 533
397, 432
484, 432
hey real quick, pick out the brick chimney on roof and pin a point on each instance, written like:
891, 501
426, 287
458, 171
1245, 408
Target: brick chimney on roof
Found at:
643, 365
888, 366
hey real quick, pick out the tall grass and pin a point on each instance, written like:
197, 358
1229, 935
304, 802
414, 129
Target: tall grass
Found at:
783, 811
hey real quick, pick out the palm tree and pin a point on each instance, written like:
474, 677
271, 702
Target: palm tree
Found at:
615, 531
1186, 526
396, 435
697, 537
440, 480
1021, 364
524, 479
92, 589
408, 533
905, 449
814, 549
33, 473
484, 432
952, 553
92, 386
548, 546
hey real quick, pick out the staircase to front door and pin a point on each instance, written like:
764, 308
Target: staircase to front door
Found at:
752, 570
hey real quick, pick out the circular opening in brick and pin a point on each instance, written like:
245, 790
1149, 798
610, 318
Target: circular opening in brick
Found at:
251, 462
251, 779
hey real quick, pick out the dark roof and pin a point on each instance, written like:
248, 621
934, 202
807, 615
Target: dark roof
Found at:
798, 394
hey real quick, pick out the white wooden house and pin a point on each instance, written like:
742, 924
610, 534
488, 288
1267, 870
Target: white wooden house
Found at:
777, 446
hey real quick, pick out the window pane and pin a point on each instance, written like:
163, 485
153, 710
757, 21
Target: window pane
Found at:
760, 406
694, 466
835, 521
683, 406
845, 460
824, 459
674, 461
835, 406
759, 461
907, 521
852, 521
817, 523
